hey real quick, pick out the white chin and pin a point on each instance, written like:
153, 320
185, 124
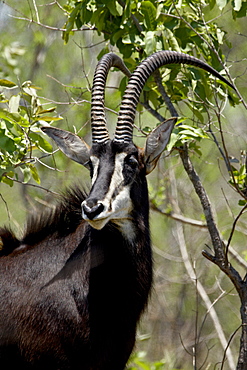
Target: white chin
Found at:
98, 224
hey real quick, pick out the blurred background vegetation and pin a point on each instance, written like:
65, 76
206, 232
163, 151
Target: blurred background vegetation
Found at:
48, 53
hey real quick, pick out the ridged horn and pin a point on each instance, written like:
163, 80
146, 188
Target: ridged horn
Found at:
98, 118
126, 116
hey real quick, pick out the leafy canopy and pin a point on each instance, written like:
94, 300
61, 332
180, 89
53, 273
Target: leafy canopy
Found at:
135, 29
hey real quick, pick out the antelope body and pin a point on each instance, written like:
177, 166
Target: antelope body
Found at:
73, 288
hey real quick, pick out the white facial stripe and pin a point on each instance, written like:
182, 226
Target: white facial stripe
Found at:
118, 208
117, 176
95, 163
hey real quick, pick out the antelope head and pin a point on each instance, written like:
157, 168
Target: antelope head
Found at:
117, 166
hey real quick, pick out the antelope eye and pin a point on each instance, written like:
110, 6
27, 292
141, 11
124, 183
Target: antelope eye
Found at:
131, 161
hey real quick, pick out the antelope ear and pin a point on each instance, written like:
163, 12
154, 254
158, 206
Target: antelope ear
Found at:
156, 143
70, 144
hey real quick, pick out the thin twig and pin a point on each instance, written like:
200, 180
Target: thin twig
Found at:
33, 185
179, 217
57, 29
59, 6
36, 11
237, 257
235, 184
228, 344
46, 165
234, 226
152, 111
6, 206
219, 147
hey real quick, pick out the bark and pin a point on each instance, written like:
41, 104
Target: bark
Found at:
242, 359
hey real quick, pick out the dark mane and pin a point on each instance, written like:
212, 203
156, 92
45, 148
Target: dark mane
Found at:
63, 220
8, 241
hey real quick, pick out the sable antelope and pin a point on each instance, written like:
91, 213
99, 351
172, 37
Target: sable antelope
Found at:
73, 288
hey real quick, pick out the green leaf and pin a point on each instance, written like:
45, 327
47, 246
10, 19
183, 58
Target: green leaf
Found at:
212, 3
7, 83
40, 110
72, 17
242, 202
10, 117
99, 18
196, 112
114, 7
6, 142
147, 129
133, 39
221, 3
14, 102
194, 131
149, 12
26, 173
34, 173
220, 35
173, 42
142, 365
150, 42
242, 12
237, 5
7, 181
40, 142
48, 119
173, 139
117, 35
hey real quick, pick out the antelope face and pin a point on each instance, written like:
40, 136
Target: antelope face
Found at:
115, 170
118, 170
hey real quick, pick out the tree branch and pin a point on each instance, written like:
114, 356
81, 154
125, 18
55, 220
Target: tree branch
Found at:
200, 289
220, 257
167, 100
179, 217
134, 19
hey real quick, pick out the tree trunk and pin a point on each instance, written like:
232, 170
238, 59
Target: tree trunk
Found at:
242, 360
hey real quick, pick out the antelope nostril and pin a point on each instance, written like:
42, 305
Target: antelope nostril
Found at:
91, 211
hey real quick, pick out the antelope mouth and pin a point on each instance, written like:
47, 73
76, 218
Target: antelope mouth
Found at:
97, 224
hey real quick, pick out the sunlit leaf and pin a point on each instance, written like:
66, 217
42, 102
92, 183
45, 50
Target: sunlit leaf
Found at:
221, 3
7, 83
150, 42
34, 174
49, 119
7, 180
14, 102
173, 139
237, 5
40, 110
26, 173
41, 142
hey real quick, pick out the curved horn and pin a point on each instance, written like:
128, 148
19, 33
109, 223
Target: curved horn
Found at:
126, 116
98, 118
